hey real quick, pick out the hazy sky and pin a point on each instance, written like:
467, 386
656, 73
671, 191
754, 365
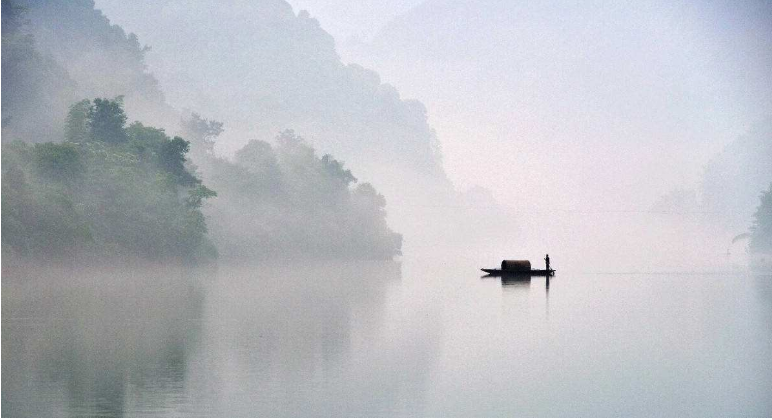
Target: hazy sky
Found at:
621, 102
354, 21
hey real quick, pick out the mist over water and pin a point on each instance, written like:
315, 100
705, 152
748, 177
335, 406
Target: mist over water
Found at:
281, 208
648, 122
383, 339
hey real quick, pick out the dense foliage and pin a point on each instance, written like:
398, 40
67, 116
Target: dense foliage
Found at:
107, 190
761, 231
285, 201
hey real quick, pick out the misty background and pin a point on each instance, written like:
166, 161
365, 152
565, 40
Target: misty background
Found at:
484, 125
601, 111
281, 208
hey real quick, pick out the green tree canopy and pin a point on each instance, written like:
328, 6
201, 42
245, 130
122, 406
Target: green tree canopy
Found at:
107, 120
78, 125
58, 162
122, 197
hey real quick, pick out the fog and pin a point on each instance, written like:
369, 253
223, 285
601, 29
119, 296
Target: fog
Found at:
635, 88
540, 124
551, 112
280, 208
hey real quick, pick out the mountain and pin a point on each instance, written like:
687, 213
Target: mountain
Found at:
94, 184
596, 104
84, 56
261, 68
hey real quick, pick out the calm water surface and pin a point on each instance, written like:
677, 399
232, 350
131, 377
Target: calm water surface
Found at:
383, 339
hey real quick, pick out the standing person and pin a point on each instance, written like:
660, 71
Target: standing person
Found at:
547, 260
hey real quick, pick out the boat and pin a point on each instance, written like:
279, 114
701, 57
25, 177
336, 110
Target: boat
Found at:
517, 268
499, 272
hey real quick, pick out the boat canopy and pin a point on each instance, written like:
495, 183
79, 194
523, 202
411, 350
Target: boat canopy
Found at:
516, 265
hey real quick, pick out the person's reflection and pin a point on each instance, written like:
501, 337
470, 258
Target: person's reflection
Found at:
547, 297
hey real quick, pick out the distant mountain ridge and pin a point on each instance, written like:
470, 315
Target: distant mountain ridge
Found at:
81, 49
261, 68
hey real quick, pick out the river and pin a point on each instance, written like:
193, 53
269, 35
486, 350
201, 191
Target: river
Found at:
411, 338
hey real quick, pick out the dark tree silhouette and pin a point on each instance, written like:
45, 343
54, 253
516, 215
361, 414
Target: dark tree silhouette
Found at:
107, 120
761, 231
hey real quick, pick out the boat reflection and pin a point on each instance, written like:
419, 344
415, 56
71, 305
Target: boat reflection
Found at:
517, 280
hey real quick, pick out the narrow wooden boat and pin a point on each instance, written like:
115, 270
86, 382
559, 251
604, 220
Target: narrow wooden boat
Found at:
499, 272
517, 268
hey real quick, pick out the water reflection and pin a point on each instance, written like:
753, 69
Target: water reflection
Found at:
273, 340
763, 286
381, 340
519, 299
96, 342
520, 281
512, 281
306, 340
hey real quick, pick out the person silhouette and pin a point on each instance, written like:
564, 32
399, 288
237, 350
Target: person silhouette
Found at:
547, 261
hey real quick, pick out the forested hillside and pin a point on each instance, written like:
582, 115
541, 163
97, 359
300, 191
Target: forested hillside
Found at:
78, 181
761, 231
106, 191
261, 68
286, 201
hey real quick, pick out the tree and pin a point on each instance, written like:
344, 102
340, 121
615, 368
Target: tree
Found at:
198, 194
104, 198
259, 158
334, 169
761, 231
201, 132
57, 162
107, 120
171, 157
77, 127
286, 200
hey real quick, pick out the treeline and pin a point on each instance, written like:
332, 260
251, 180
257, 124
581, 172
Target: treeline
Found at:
761, 231
77, 181
107, 190
83, 183
286, 201
117, 191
